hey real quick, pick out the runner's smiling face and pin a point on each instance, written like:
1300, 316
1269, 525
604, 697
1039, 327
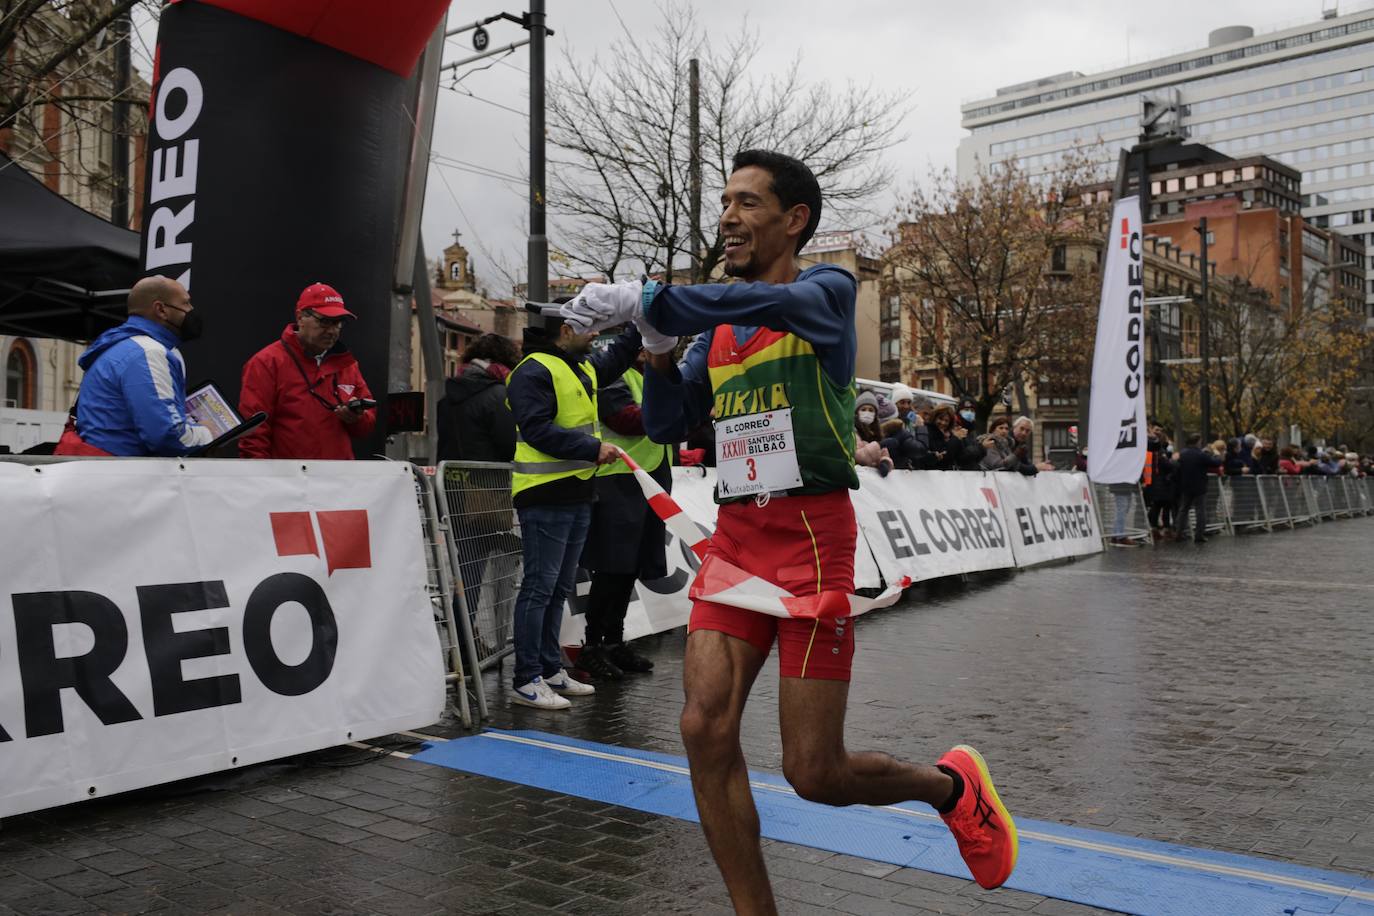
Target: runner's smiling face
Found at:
758, 232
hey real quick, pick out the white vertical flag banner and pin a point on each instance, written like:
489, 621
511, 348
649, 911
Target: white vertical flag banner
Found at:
1116, 418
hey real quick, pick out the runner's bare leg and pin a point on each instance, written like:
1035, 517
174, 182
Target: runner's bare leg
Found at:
814, 760
718, 672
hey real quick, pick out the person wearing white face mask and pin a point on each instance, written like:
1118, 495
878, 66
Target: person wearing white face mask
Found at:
868, 448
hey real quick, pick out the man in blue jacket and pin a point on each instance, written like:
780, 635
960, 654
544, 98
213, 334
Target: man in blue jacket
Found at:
133, 395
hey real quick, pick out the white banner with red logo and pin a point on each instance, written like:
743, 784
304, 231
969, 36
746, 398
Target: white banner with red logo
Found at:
912, 524
927, 524
1049, 516
1116, 409
163, 619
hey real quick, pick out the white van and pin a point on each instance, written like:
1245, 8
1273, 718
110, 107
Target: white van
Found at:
885, 389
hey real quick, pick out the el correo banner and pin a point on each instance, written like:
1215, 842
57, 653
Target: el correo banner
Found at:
1116, 417
927, 524
1049, 516
162, 619
917, 524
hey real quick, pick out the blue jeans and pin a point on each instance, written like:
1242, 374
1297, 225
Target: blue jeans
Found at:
553, 537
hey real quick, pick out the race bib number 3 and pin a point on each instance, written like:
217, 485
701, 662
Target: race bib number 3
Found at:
756, 453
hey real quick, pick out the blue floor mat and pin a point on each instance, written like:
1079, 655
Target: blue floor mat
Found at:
1083, 866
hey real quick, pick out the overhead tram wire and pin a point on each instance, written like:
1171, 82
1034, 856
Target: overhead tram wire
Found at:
500, 60
479, 171
469, 94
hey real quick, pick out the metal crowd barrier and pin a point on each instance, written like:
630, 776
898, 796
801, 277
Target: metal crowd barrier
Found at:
1302, 494
454, 637
1244, 502
1218, 507
1361, 494
484, 551
1121, 512
1274, 502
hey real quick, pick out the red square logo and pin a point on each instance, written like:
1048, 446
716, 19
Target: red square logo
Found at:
345, 536
294, 534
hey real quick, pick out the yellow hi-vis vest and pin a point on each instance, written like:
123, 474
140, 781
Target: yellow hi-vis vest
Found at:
576, 412
645, 452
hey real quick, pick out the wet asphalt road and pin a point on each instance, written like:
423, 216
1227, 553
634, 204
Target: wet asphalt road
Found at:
1218, 696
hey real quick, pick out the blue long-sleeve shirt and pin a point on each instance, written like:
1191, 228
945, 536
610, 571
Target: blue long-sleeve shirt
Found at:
818, 307
132, 401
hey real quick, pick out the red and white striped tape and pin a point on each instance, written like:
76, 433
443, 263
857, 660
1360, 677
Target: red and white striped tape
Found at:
723, 582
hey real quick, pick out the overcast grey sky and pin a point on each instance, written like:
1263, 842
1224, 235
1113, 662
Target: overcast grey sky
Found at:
943, 53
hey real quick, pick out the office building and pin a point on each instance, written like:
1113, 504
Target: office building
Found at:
1303, 96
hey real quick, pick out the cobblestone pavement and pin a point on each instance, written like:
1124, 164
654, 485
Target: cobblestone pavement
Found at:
1216, 696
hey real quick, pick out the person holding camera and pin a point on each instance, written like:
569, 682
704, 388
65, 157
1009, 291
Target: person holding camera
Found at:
309, 386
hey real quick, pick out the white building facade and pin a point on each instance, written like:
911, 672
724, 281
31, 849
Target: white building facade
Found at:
1303, 95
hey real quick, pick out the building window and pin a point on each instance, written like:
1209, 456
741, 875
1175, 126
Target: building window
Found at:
928, 384
455, 271
1059, 258
21, 376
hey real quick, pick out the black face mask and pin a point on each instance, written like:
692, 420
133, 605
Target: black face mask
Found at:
191, 327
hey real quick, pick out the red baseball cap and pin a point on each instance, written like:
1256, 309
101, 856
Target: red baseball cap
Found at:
324, 301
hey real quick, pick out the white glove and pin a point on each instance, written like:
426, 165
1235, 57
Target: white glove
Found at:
603, 305
654, 341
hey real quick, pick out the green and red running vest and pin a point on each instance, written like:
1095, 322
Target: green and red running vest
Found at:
777, 369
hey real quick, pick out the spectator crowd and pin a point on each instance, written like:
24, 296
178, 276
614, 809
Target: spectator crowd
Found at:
910, 432
1174, 480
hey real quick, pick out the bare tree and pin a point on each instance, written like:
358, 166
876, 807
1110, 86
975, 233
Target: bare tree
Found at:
59, 55
1272, 366
619, 131
999, 277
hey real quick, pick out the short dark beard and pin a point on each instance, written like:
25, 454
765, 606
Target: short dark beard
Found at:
744, 271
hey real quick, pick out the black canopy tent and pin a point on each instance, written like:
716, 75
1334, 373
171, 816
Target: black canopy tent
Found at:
64, 272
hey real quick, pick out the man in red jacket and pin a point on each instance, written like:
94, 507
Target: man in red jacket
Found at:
309, 386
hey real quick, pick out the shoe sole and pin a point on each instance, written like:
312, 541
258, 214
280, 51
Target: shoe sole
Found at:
534, 704
1001, 809
577, 692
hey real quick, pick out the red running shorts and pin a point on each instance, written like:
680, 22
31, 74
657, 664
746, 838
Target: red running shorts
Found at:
804, 544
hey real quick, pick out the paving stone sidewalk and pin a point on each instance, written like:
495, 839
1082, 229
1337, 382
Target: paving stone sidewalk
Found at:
1215, 696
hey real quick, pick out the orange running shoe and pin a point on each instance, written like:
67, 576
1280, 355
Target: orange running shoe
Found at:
980, 822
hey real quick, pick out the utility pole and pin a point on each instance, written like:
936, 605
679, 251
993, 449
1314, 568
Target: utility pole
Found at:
119, 152
1204, 338
694, 205
538, 278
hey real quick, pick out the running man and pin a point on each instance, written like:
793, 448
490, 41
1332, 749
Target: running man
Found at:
779, 350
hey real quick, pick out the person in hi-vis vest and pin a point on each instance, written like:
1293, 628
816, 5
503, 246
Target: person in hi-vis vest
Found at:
552, 395
626, 543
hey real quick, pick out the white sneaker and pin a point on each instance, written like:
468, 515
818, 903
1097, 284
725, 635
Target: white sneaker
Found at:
537, 694
564, 684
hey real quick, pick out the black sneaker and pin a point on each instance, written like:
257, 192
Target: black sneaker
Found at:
628, 659
596, 661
